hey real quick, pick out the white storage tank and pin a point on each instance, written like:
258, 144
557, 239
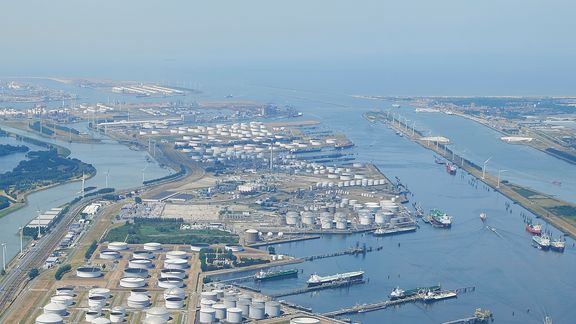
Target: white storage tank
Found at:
138, 301
176, 264
139, 291
135, 273
207, 303
244, 305
173, 273
234, 315
257, 312
101, 320
304, 320
251, 235
207, 315
65, 291
272, 308
220, 311
152, 246
132, 282
49, 319
341, 224
170, 283
99, 292
209, 295
142, 254
229, 301
89, 272
199, 246
96, 301
109, 255
159, 313
117, 314
117, 246
92, 315
65, 300
174, 292
140, 263
176, 255
292, 218
55, 308
174, 302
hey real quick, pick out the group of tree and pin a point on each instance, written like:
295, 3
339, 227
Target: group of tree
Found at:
61, 271
91, 250
7, 149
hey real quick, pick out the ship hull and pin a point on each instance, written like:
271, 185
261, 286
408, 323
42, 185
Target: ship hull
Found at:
329, 281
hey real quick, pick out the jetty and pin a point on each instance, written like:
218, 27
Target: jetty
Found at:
336, 284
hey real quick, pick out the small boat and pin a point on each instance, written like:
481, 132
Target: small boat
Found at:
439, 160
399, 293
541, 242
451, 168
432, 296
534, 229
557, 245
439, 218
483, 216
316, 280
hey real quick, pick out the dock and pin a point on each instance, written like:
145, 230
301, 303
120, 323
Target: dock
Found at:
286, 240
352, 251
337, 284
363, 308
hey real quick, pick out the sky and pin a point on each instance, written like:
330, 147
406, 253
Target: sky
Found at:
434, 47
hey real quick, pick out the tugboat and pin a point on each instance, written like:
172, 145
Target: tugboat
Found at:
439, 218
557, 245
439, 160
272, 275
483, 217
534, 229
451, 168
541, 242
316, 280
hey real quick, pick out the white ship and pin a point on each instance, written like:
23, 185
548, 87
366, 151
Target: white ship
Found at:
316, 280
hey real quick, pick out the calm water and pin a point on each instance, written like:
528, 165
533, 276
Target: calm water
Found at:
125, 171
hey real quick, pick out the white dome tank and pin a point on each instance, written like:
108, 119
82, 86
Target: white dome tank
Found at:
207, 315
234, 315
176, 255
65, 300
257, 312
176, 264
99, 292
174, 292
132, 282
138, 301
158, 313
152, 246
49, 319
117, 246
272, 308
174, 302
173, 273
304, 320
92, 314
220, 311
55, 308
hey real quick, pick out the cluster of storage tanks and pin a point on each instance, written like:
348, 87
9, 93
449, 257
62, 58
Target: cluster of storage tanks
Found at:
55, 311
135, 276
339, 215
221, 305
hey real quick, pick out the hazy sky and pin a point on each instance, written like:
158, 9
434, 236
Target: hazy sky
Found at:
507, 40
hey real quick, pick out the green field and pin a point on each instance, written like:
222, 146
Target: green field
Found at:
166, 232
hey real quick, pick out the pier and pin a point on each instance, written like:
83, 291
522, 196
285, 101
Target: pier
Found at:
387, 303
352, 251
337, 284
287, 240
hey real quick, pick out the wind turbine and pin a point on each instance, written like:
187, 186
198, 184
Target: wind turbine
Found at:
38, 220
4, 256
484, 168
145, 166
107, 173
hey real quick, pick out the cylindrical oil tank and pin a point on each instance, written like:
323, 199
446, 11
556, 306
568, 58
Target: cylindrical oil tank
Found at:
251, 235
139, 291
207, 315
159, 313
55, 308
109, 255
170, 283
117, 246
176, 264
229, 301
101, 320
219, 293
209, 295
174, 292
142, 254
199, 246
49, 319
99, 292
341, 224
272, 308
89, 272
207, 303
65, 300
140, 263
304, 320
92, 315
379, 218
65, 291
233, 247
245, 297
244, 305
138, 301
365, 220
292, 218
234, 315
176, 255
152, 246
116, 316
220, 311
258, 301
135, 273
326, 223
257, 312
174, 302
132, 282
173, 273
96, 301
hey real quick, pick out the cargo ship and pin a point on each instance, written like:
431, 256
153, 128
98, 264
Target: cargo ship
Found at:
432, 296
382, 231
541, 242
483, 217
439, 218
557, 245
316, 280
273, 275
535, 229
399, 293
451, 168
